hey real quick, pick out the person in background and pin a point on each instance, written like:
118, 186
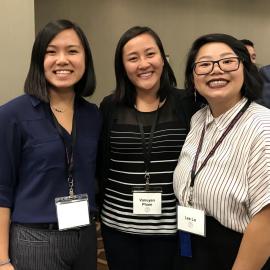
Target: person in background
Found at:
251, 49
146, 120
265, 74
223, 174
49, 138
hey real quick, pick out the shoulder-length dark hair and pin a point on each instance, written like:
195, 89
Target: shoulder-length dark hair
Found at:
252, 85
35, 83
125, 91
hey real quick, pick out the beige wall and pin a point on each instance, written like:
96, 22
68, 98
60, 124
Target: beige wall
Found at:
178, 22
17, 35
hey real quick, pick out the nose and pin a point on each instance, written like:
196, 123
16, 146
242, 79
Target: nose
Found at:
144, 63
216, 68
62, 59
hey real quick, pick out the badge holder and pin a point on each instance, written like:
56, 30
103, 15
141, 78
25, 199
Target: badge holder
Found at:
72, 211
147, 200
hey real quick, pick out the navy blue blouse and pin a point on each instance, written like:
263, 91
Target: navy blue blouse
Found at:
32, 158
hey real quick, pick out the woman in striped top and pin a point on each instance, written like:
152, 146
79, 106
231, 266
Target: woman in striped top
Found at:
223, 171
145, 124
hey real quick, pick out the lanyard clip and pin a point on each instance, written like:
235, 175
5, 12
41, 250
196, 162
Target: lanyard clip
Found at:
147, 178
190, 197
71, 186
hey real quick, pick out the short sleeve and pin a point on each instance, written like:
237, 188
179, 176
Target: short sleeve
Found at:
259, 172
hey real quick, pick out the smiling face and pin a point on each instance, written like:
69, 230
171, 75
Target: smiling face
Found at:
143, 63
64, 62
220, 89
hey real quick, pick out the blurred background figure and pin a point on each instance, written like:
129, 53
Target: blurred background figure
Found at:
251, 49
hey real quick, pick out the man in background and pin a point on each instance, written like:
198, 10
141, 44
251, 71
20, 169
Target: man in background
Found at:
250, 47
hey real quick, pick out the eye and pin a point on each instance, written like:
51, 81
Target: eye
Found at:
229, 61
50, 52
204, 64
73, 51
132, 59
150, 54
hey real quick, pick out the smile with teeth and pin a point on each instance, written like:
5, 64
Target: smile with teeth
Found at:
145, 75
217, 83
62, 71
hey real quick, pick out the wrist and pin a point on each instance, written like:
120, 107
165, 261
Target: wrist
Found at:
4, 262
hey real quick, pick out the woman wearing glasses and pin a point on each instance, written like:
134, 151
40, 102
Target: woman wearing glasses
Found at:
222, 179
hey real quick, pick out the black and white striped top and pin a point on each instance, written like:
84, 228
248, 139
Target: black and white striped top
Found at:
127, 169
235, 183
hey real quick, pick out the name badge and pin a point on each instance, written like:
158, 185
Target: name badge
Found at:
72, 211
147, 203
191, 220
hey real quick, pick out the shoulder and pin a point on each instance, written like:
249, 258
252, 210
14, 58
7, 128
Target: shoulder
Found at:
265, 71
107, 101
258, 114
86, 108
18, 106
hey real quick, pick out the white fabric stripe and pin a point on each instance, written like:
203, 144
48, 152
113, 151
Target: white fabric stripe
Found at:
141, 173
138, 229
153, 152
149, 221
154, 142
136, 184
130, 195
157, 131
153, 161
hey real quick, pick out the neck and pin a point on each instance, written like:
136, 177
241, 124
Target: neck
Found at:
146, 102
61, 101
219, 108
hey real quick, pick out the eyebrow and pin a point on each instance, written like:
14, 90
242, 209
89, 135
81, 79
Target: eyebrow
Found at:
208, 57
135, 52
69, 46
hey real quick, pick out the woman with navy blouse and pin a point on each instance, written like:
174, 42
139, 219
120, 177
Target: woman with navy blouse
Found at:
49, 140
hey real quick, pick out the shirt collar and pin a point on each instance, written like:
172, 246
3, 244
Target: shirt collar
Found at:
34, 100
222, 121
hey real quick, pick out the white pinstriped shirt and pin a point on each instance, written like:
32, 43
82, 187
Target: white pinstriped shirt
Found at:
235, 183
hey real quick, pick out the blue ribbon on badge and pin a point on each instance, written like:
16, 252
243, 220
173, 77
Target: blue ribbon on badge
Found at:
185, 244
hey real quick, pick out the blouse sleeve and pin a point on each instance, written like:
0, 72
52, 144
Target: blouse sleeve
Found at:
259, 172
10, 145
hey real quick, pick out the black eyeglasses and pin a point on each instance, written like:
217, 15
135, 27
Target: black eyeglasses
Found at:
225, 64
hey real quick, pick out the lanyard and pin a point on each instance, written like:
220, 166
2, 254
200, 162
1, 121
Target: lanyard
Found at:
69, 151
211, 153
147, 150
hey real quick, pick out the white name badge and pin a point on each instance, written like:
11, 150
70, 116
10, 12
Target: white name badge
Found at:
72, 212
146, 203
191, 220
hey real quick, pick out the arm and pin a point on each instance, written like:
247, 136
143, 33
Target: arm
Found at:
4, 237
10, 145
255, 246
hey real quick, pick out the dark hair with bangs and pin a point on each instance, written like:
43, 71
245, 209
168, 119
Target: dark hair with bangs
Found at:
125, 91
35, 83
252, 85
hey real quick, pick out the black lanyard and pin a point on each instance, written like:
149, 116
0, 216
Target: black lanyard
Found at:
147, 150
211, 153
69, 151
